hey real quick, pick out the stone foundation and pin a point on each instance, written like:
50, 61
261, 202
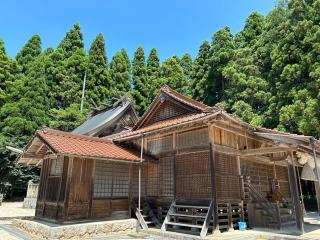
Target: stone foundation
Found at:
44, 230
30, 201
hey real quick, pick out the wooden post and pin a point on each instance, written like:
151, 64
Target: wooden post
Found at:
316, 183
213, 180
141, 156
130, 188
295, 194
174, 135
300, 190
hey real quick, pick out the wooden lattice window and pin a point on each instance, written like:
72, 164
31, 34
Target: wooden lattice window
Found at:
56, 167
120, 180
194, 138
103, 180
111, 180
160, 145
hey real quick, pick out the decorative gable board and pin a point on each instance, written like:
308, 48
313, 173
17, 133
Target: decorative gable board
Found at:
166, 110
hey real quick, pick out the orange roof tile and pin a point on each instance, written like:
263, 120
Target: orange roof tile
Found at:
85, 146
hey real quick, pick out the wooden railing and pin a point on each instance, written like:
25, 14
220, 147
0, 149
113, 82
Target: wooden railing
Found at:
167, 218
206, 222
139, 216
273, 210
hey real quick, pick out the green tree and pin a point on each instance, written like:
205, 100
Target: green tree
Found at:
120, 73
66, 69
67, 119
201, 72
8, 69
186, 64
253, 27
172, 74
295, 65
222, 51
98, 82
29, 52
140, 83
153, 73
26, 108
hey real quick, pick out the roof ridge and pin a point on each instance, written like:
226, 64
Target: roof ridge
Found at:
177, 95
73, 135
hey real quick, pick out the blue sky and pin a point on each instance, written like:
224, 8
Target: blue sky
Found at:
173, 27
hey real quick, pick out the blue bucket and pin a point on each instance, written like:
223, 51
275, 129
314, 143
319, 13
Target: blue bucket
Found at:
242, 226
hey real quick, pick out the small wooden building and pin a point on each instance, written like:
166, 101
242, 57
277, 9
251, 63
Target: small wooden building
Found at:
183, 166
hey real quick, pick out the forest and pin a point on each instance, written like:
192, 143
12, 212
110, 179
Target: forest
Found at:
268, 74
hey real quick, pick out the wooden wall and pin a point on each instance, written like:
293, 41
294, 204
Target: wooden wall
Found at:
69, 196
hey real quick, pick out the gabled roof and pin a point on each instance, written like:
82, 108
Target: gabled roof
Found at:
108, 118
71, 144
167, 93
160, 125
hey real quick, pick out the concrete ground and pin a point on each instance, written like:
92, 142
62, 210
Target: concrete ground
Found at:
10, 210
14, 210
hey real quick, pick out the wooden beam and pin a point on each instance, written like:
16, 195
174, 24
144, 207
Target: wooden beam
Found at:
283, 138
251, 152
295, 194
265, 150
39, 148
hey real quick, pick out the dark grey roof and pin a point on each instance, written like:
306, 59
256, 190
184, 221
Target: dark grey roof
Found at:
99, 122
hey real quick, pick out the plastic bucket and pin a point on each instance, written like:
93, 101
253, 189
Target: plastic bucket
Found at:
242, 226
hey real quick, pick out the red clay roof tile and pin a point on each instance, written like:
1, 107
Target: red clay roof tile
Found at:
79, 145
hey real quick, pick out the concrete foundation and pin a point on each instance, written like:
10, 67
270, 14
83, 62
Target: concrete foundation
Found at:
45, 230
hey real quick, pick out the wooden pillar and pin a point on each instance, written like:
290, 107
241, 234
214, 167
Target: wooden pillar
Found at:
141, 157
174, 136
67, 192
316, 183
295, 194
130, 187
213, 180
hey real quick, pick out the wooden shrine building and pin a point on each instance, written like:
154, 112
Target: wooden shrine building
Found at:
182, 166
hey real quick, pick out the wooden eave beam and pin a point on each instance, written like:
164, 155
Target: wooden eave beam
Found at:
241, 131
266, 150
252, 152
282, 138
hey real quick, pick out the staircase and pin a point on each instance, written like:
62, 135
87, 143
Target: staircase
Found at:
275, 215
145, 215
188, 218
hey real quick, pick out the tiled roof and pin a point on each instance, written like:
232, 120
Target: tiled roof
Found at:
186, 100
161, 124
79, 145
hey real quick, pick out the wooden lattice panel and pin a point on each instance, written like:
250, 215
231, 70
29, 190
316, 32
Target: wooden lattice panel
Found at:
193, 138
153, 179
160, 145
193, 176
261, 175
227, 177
166, 176
165, 111
283, 179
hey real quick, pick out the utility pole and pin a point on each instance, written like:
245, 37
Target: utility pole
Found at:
83, 89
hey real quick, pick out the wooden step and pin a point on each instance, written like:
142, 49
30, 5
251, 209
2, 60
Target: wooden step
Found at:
184, 225
186, 215
190, 206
